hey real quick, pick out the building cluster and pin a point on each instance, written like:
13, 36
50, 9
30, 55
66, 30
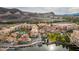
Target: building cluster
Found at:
33, 30
75, 37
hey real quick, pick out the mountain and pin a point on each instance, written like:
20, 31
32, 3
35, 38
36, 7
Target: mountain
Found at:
14, 14
73, 14
12, 11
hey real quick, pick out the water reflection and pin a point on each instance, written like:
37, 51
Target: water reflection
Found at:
51, 47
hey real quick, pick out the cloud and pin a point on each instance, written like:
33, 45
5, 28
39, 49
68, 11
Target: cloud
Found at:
74, 9
56, 10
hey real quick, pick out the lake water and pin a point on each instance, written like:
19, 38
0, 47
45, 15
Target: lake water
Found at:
51, 47
44, 47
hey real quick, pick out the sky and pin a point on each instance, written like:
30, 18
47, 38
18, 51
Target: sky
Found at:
56, 10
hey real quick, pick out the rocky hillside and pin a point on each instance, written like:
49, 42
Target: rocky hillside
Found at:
12, 11
14, 14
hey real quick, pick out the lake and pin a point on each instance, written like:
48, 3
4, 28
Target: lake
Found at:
44, 47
